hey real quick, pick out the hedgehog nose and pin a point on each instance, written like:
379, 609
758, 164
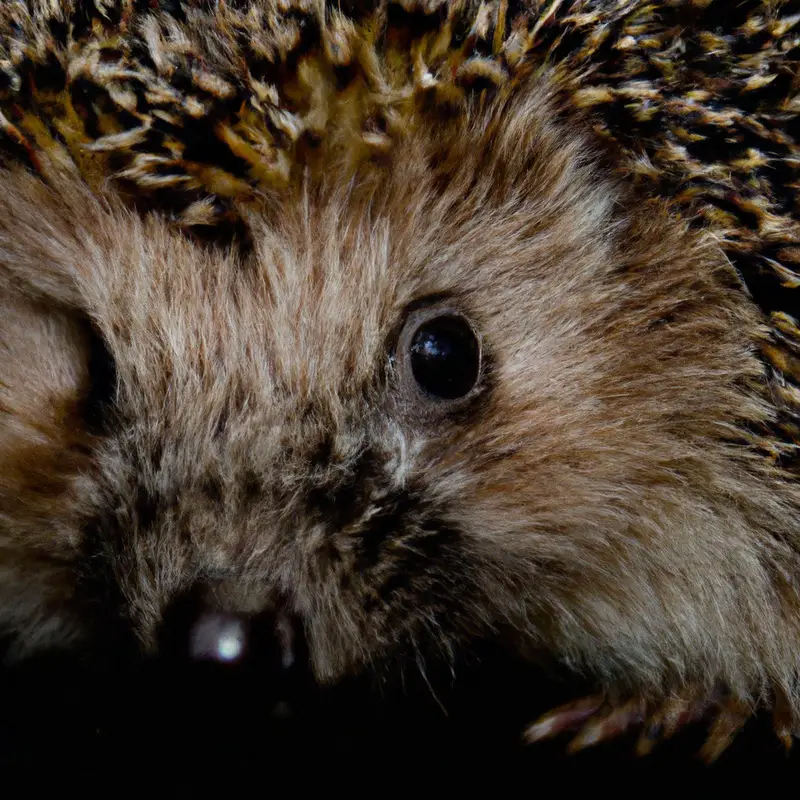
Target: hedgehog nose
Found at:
218, 636
196, 630
227, 638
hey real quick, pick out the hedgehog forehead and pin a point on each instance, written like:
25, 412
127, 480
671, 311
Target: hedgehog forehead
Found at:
297, 326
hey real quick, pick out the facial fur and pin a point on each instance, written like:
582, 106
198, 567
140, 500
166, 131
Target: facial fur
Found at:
594, 502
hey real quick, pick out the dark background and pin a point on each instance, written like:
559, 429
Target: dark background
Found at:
191, 727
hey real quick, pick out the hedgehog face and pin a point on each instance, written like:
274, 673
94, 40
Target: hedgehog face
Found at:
483, 391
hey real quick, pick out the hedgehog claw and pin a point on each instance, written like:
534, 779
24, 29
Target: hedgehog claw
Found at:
562, 719
597, 722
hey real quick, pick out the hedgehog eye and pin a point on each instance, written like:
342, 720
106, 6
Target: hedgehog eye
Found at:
440, 354
445, 357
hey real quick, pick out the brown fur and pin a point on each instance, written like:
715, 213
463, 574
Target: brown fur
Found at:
596, 502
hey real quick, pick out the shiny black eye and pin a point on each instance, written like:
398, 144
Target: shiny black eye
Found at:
445, 357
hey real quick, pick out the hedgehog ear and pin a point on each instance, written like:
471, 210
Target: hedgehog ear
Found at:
46, 235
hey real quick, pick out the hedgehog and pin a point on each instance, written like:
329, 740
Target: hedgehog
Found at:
409, 324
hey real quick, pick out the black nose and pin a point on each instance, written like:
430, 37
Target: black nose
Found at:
196, 631
218, 636
219, 671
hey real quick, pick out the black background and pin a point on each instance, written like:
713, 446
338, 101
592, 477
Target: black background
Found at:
191, 727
